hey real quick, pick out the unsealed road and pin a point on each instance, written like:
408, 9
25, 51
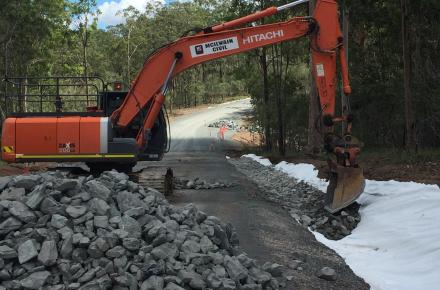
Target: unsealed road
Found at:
266, 232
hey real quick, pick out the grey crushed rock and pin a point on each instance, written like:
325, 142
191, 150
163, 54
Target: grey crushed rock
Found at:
304, 202
98, 190
98, 206
12, 193
7, 253
58, 221
21, 211
48, 254
100, 221
50, 206
36, 196
76, 211
27, 182
4, 181
35, 280
108, 232
66, 184
27, 251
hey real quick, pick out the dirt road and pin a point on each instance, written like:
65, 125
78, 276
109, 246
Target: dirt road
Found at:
265, 230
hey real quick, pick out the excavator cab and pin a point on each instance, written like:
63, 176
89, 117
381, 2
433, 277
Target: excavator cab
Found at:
68, 119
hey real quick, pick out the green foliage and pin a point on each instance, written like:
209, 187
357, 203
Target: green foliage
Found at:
54, 37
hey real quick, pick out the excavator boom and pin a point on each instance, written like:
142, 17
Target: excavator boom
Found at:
147, 96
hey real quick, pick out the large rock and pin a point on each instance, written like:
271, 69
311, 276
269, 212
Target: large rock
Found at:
101, 221
7, 252
131, 226
10, 224
58, 221
115, 252
48, 254
127, 200
12, 193
274, 269
21, 211
36, 196
103, 283
50, 206
27, 182
67, 248
259, 275
173, 286
27, 251
116, 176
190, 246
194, 279
66, 184
328, 274
4, 180
220, 237
206, 245
131, 244
98, 206
235, 269
165, 251
35, 280
98, 190
153, 283
76, 211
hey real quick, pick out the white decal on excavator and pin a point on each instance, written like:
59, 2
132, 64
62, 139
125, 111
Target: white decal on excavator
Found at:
320, 70
263, 36
213, 47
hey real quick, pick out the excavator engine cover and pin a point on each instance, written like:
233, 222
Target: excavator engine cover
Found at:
346, 185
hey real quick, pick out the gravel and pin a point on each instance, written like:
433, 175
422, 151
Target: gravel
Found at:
229, 124
197, 183
304, 202
58, 232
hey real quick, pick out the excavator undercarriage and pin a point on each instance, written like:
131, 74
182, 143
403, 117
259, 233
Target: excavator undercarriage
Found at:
118, 129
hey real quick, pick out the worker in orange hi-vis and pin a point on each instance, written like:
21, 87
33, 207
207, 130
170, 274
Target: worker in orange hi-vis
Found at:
223, 129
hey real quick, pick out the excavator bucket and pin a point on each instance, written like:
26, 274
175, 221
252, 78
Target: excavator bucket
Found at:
346, 185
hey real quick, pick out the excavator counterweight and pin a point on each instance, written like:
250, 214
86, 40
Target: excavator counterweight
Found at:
116, 131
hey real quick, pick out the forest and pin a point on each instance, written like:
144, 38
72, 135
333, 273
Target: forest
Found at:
393, 55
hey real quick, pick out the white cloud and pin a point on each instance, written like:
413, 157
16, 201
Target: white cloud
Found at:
109, 10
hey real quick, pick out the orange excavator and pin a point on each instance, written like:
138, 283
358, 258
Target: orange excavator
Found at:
122, 129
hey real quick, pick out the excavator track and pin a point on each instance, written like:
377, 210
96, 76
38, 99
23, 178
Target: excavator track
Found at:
160, 180
149, 179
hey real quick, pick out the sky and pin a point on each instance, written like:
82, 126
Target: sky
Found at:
109, 9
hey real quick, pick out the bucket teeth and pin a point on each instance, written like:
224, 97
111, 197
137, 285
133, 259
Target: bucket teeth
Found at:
346, 185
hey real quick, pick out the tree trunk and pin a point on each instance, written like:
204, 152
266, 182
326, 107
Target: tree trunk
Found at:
267, 131
266, 98
344, 97
278, 72
85, 40
314, 137
128, 57
410, 126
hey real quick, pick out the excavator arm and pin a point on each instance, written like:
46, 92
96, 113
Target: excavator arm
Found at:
186, 52
223, 40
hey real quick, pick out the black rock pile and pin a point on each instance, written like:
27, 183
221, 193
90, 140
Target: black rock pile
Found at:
197, 183
231, 125
59, 232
